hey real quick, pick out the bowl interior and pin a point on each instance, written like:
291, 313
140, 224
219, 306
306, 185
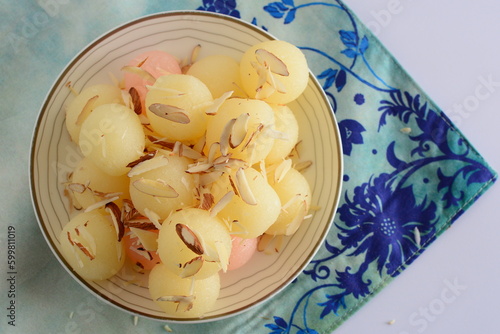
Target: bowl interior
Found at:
53, 156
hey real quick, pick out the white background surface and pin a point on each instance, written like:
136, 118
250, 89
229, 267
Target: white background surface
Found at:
451, 48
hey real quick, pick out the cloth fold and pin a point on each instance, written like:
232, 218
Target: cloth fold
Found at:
409, 172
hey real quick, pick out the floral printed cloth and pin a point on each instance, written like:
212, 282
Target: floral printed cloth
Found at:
409, 173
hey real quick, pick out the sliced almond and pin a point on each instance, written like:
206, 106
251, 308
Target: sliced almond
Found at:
142, 252
136, 100
177, 149
207, 201
142, 73
85, 250
406, 131
235, 163
142, 62
148, 239
71, 242
150, 165
303, 165
243, 187
223, 159
186, 64
221, 204
293, 226
233, 185
77, 187
192, 267
290, 202
145, 224
71, 89
86, 110
128, 210
184, 303
223, 255
210, 177
262, 73
145, 122
274, 82
211, 254
115, 214
100, 204
199, 168
145, 157
239, 130
295, 150
282, 169
225, 135
190, 153
254, 134
264, 242
263, 92
153, 217
271, 61
242, 229
417, 236
199, 146
73, 203
105, 195
212, 110
270, 244
127, 99
189, 238
169, 112
212, 151
85, 235
195, 53
155, 188
161, 142
77, 257
278, 243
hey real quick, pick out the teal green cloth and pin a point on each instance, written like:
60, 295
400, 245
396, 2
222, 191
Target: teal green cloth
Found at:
401, 189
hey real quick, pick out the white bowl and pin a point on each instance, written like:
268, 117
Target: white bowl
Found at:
53, 155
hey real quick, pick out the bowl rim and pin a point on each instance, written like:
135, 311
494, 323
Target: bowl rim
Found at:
44, 110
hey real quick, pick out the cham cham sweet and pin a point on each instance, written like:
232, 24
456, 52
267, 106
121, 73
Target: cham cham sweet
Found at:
188, 169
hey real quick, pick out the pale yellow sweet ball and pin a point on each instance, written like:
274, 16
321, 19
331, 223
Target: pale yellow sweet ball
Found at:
171, 176
112, 137
248, 220
212, 236
221, 74
89, 98
257, 142
90, 245
288, 65
163, 284
295, 196
287, 129
187, 93
97, 183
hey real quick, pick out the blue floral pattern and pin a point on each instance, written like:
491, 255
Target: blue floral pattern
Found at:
424, 175
227, 7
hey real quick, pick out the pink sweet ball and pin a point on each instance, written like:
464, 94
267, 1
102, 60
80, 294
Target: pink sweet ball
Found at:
157, 63
241, 252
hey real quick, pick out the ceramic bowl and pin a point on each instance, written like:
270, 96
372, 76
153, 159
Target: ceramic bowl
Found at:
54, 155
